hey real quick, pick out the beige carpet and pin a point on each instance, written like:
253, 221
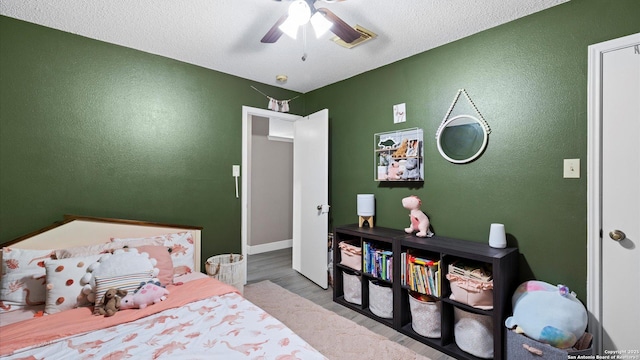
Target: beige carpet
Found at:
334, 336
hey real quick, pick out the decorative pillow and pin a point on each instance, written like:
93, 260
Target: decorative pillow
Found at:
23, 277
128, 282
163, 259
122, 261
182, 250
64, 290
103, 248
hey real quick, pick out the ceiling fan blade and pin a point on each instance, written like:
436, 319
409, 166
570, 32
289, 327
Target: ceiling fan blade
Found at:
274, 33
340, 28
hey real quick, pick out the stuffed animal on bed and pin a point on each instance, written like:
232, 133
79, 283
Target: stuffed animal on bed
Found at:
419, 221
547, 313
148, 293
110, 303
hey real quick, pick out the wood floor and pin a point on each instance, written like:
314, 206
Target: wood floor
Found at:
276, 267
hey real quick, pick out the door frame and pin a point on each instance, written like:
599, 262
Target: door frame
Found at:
594, 181
245, 175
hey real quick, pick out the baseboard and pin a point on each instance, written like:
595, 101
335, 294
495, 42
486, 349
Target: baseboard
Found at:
276, 245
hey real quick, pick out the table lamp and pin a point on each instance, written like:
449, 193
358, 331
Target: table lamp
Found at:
366, 209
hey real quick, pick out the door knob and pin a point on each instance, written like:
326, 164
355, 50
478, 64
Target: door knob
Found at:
617, 235
319, 207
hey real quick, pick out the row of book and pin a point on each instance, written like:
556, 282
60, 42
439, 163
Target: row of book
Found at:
420, 274
377, 262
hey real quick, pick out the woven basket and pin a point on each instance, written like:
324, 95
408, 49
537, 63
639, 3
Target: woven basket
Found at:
228, 268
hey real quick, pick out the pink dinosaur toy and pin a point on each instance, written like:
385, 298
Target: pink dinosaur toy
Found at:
419, 221
147, 294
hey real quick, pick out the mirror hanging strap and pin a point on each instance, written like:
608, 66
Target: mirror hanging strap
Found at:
453, 104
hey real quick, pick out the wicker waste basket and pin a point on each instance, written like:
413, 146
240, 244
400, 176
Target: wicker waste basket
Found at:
228, 268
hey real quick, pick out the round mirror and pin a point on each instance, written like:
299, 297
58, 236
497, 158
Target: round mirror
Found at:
462, 139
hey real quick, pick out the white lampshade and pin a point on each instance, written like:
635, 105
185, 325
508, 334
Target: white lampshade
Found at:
320, 24
366, 205
289, 27
497, 236
299, 12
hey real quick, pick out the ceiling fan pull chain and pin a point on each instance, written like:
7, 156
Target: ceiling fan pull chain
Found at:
304, 43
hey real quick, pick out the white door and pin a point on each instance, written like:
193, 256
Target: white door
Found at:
311, 196
621, 198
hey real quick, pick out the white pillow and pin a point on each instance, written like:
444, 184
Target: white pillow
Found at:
182, 250
122, 261
23, 277
64, 290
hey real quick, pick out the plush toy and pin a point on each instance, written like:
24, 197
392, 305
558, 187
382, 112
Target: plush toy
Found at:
111, 302
393, 171
547, 313
148, 293
387, 143
402, 149
411, 169
419, 221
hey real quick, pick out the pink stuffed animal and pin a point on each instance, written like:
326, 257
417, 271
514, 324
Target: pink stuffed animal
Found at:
419, 221
147, 294
394, 171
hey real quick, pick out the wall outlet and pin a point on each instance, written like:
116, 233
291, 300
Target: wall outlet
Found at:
235, 170
571, 168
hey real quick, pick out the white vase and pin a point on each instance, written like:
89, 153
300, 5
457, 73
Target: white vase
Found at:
497, 236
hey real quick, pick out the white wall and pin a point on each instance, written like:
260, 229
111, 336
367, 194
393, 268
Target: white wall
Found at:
271, 208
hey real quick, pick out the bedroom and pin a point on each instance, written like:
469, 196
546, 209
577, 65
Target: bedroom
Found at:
113, 151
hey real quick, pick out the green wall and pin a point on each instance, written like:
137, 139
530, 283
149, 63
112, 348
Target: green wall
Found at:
95, 129
90, 128
528, 78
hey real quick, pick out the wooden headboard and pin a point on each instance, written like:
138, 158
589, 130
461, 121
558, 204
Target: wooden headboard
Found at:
76, 230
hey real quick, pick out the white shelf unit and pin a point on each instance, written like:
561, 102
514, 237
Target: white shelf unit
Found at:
398, 155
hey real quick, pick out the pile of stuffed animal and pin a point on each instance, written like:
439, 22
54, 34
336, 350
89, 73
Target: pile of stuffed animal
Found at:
547, 313
115, 299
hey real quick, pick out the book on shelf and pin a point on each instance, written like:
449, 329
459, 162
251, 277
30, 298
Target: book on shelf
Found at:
420, 274
378, 262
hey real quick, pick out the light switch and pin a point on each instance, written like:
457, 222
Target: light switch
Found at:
571, 168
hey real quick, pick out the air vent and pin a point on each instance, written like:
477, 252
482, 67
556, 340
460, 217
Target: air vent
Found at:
365, 35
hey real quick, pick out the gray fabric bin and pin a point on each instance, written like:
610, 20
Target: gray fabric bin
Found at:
522, 347
352, 286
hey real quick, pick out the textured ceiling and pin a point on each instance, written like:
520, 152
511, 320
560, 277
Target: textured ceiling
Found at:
224, 35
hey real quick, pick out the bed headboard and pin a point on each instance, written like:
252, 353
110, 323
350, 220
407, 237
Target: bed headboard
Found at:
85, 230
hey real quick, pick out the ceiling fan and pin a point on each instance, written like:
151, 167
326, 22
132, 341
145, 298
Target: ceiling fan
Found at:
322, 19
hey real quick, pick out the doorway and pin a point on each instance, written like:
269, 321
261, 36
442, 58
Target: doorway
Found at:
270, 190
613, 194
260, 118
310, 186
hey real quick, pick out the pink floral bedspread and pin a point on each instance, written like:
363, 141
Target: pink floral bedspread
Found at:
219, 327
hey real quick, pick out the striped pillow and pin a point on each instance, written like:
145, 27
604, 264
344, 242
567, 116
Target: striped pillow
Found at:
129, 282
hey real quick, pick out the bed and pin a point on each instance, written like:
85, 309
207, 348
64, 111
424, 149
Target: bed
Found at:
53, 279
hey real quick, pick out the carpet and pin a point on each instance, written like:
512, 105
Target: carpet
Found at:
333, 335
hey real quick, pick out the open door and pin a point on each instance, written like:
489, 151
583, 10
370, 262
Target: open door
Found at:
311, 196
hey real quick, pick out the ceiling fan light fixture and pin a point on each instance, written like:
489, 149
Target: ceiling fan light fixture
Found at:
289, 27
299, 12
320, 24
